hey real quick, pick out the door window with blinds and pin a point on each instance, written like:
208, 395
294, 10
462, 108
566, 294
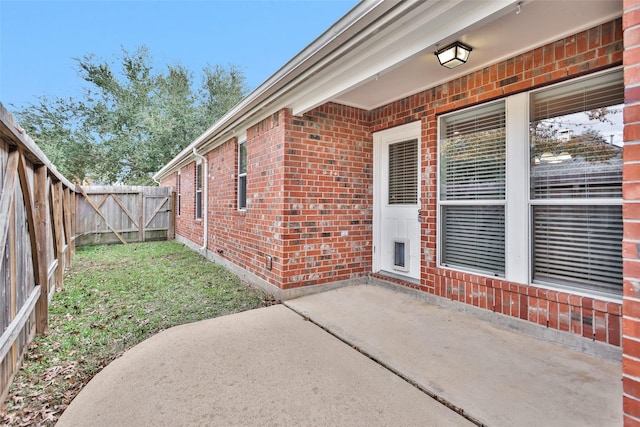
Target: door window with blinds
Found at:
472, 189
403, 173
576, 183
574, 171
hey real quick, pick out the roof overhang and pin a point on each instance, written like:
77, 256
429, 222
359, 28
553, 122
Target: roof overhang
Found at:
382, 51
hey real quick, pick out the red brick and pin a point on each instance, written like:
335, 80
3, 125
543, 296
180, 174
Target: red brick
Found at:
631, 190
631, 406
631, 366
613, 329
631, 210
587, 323
630, 308
632, 36
630, 422
600, 306
600, 326
631, 268
614, 308
553, 317
630, 17
631, 386
631, 133
630, 249
581, 42
630, 58
630, 347
630, 328
631, 95
524, 307
576, 320
631, 114
564, 317
631, 288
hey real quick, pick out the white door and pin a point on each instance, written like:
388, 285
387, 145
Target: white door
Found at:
396, 201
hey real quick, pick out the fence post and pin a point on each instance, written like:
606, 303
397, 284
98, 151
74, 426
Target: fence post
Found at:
59, 230
66, 208
41, 206
72, 243
141, 216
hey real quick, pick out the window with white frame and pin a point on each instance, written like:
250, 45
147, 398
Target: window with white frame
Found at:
565, 144
242, 175
199, 191
179, 192
472, 189
576, 183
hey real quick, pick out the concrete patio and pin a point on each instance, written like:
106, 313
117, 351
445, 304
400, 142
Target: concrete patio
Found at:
358, 355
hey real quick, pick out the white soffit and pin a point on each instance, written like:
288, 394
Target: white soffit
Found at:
400, 61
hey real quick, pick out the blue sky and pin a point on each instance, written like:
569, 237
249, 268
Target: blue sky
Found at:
38, 39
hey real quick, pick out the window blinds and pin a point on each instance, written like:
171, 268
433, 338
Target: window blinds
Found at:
474, 237
578, 245
472, 189
472, 155
576, 157
403, 173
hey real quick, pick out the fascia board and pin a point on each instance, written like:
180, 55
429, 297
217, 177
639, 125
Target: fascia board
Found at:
441, 23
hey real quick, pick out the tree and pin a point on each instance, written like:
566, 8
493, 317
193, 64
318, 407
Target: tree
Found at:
575, 136
52, 124
132, 120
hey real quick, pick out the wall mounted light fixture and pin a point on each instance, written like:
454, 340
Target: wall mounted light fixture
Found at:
453, 55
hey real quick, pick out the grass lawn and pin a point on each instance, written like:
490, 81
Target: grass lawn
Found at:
113, 298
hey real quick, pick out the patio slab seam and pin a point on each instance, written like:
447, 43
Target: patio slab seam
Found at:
432, 394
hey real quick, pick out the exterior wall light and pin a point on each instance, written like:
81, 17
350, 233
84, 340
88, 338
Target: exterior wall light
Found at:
453, 55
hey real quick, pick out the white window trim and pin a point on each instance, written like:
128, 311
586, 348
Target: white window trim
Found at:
439, 205
518, 202
241, 175
517, 212
179, 193
198, 191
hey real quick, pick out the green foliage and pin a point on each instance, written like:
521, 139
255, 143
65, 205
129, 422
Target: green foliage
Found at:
52, 124
131, 120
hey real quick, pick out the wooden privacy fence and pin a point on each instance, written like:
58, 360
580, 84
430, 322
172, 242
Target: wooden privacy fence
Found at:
123, 214
42, 218
36, 243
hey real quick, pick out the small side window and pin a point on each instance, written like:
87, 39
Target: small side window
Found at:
199, 191
242, 175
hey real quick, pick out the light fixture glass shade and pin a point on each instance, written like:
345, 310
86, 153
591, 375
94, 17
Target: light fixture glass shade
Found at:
453, 55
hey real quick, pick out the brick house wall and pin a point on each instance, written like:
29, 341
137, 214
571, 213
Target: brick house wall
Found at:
259, 229
329, 176
631, 216
186, 223
243, 237
582, 53
310, 191
308, 205
224, 218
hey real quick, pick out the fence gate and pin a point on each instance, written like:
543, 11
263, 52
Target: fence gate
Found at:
123, 214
